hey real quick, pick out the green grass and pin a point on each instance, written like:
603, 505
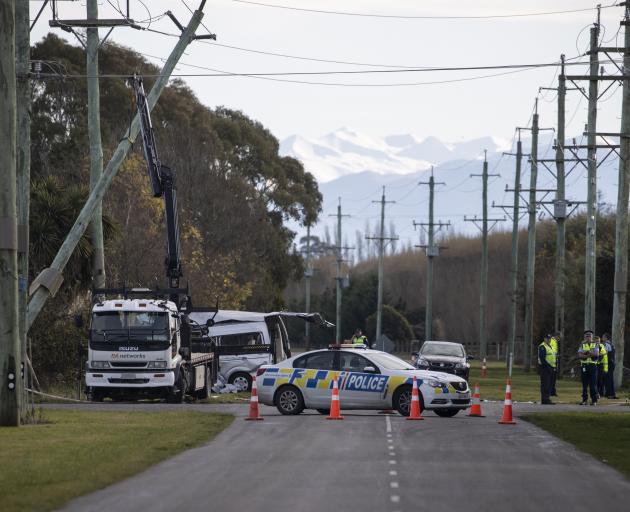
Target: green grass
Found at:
578, 428
76, 452
242, 397
525, 386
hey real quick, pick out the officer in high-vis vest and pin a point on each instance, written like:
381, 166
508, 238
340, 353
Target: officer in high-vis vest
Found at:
609, 380
588, 353
547, 362
554, 345
359, 339
602, 367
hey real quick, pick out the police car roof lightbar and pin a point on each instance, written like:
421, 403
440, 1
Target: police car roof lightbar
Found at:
337, 346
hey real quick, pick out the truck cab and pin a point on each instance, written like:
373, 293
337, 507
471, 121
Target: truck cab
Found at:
134, 348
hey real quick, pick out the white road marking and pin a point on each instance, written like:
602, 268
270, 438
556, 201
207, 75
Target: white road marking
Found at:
394, 498
392, 462
392, 454
393, 472
389, 424
393, 485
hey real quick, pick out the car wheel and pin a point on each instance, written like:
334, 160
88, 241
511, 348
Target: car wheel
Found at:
289, 400
446, 413
324, 411
242, 381
402, 400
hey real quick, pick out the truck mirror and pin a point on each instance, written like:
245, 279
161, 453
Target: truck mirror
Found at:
184, 352
78, 321
209, 322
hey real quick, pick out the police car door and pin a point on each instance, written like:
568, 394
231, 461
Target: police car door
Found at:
359, 388
317, 389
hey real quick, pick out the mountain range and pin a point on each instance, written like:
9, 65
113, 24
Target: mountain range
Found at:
353, 168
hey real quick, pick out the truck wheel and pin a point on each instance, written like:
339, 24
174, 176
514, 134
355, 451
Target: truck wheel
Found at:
402, 400
95, 396
176, 394
289, 400
446, 413
204, 392
242, 381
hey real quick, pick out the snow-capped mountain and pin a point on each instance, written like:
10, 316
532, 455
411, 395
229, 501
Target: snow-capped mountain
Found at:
355, 167
344, 152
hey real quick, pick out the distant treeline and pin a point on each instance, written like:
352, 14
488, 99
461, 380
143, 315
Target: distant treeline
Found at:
235, 193
456, 287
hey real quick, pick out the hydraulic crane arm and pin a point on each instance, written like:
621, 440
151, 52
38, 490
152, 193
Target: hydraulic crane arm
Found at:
162, 180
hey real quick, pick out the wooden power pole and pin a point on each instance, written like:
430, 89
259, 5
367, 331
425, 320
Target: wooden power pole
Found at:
621, 225
432, 251
96, 148
339, 248
10, 396
485, 229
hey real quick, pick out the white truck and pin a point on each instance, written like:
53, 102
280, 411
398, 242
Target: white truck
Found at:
141, 348
245, 340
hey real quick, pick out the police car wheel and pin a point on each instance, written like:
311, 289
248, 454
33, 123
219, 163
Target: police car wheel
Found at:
402, 400
242, 381
289, 400
446, 413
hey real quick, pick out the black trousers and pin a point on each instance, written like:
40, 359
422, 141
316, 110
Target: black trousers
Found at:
609, 381
546, 377
589, 381
601, 379
554, 377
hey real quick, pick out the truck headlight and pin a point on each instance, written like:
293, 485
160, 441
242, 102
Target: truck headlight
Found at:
99, 364
156, 364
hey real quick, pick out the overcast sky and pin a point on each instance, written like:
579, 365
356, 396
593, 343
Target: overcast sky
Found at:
450, 111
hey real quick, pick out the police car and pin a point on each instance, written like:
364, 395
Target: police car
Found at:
367, 379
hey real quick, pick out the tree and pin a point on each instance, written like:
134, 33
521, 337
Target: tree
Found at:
395, 326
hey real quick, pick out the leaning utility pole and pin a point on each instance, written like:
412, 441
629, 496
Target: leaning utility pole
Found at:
339, 278
483, 293
96, 148
10, 360
591, 198
49, 280
381, 255
531, 247
621, 225
23, 170
432, 251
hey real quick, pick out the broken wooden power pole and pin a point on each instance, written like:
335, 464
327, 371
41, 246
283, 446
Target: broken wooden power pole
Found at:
49, 281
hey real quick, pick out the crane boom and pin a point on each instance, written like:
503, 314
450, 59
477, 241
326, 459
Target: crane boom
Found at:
162, 180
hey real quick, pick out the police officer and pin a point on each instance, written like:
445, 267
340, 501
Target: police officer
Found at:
554, 345
547, 362
359, 339
609, 381
588, 353
602, 367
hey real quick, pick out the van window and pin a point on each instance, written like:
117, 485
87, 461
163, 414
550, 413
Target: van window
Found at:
240, 339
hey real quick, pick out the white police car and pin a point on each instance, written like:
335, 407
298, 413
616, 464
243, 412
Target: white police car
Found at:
367, 379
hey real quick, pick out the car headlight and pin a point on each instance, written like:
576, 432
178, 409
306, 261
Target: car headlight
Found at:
99, 364
156, 364
423, 362
434, 383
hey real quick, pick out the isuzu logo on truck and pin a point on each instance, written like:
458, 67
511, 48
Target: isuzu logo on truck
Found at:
128, 349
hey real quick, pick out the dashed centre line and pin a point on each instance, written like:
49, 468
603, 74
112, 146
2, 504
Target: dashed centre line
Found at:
393, 498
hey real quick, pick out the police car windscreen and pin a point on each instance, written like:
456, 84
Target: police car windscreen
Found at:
391, 362
139, 326
439, 349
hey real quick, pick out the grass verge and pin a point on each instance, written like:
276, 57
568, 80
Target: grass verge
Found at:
76, 452
526, 385
576, 427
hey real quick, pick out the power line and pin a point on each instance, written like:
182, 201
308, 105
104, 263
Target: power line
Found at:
421, 17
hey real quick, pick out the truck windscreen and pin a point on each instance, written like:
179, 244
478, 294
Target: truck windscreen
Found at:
137, 326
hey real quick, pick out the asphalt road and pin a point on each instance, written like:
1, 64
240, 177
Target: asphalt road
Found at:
371, 462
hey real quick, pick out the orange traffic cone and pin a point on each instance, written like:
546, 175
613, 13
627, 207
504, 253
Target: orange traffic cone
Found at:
475, 410
335, 409
414, 412
484, 369
254, 413
506, 419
